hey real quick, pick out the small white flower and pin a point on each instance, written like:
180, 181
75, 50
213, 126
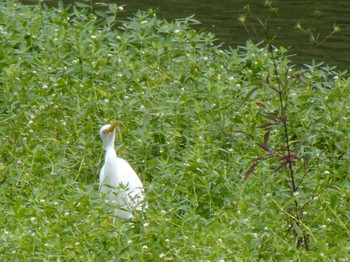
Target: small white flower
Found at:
144, 22
33, 220
177, 31
145, 224
45, 86
296, 193
120, 8
42, 200
77, 243
161, 255
66, 214
145, 247
93, 37
129, 241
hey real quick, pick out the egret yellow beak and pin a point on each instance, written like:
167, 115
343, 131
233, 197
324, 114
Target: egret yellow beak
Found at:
112, 126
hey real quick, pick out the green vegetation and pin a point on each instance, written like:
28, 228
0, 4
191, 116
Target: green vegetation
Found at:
189, 117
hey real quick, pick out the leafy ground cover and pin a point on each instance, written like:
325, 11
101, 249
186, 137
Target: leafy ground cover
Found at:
189, 116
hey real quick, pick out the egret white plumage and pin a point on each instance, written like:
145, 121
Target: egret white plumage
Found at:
120, 186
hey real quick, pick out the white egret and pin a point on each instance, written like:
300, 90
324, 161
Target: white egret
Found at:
120, 186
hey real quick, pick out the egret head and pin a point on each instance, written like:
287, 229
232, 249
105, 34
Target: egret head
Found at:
107, 133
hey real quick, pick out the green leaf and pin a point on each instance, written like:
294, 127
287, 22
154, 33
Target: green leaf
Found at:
82, 5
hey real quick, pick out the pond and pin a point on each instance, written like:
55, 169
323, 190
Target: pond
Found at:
221, 18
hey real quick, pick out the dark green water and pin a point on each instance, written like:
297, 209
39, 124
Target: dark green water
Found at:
221, 18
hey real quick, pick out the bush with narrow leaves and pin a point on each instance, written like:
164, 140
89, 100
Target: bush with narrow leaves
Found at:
188, 116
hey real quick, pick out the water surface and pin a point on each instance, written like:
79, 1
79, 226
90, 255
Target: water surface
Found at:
221, 18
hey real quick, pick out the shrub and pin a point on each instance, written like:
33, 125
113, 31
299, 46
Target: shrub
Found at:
188, 114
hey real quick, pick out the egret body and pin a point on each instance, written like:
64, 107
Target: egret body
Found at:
120, 186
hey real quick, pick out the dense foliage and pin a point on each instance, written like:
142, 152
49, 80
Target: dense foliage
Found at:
188, 115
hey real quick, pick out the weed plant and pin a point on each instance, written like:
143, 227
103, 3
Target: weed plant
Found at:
188, 114
281, 82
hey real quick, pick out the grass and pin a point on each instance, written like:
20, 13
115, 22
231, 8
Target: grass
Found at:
188, 114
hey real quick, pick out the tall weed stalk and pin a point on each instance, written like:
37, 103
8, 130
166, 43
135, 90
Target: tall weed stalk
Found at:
280, 82
286, 156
